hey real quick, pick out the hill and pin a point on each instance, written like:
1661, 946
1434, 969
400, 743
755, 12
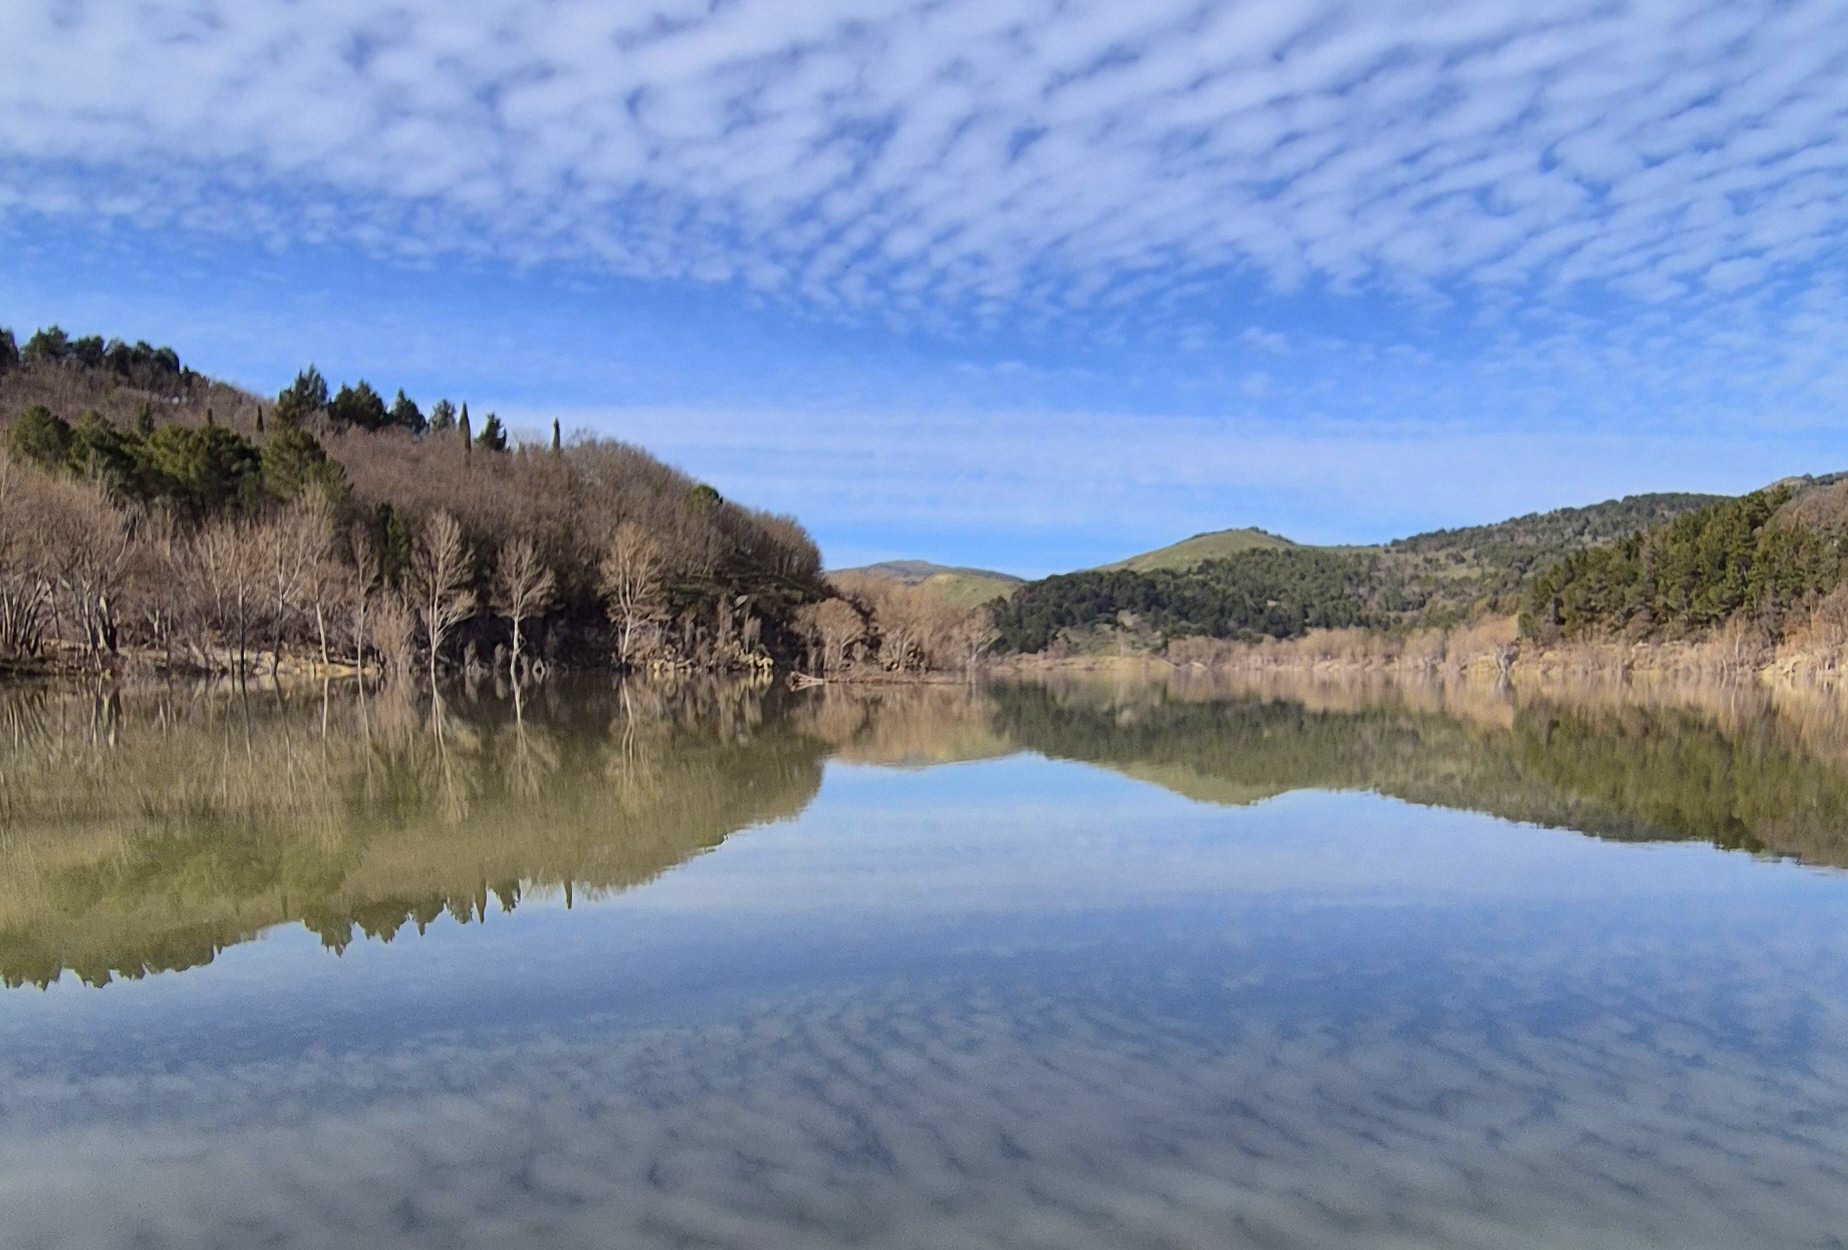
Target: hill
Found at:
1259, 585
187, 523
959, 587
1192, 552
1773, 562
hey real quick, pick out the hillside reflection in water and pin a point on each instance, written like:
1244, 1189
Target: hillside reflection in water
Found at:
1073, 964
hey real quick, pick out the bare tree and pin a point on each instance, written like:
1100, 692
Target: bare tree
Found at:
364, 581
974, 634
87, 547
394, 633
441, 568
631, 579
25, 591
523, 587
840, 627
223, 570
292, 545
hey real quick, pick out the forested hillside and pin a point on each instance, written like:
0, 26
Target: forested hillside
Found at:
1257, 593
146, 509
1436, 579
1773, 560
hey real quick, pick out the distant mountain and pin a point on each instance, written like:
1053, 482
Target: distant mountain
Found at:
911, 572
1215, 545
963, 587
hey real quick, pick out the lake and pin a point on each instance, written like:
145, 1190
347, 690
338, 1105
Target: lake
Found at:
1065, 964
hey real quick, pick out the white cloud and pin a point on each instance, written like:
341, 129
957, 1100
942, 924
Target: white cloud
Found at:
1078, 1112
968, 153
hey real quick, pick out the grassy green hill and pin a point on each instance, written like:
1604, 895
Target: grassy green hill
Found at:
1190, 552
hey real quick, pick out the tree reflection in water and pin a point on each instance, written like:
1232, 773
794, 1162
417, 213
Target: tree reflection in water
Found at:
147, 830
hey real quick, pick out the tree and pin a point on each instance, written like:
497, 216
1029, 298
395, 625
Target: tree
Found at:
839, 626
9, 350
293, 461
303, 397
102, 453
974, 634
630, 577
87, 546
523, 587
468, 441
557, 443
204, 469
492, 436
358, 406
366, 580
50, 346
291, 545
41, 437
405, 414
442, 416
222, 568
25, 588
440, 572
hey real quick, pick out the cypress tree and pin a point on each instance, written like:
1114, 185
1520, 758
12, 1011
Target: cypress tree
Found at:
555, 439
468, 441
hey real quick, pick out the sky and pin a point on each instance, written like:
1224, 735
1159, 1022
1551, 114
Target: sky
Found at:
1025, 284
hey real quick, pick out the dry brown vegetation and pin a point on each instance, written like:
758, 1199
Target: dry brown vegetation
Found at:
197, 526
881, 627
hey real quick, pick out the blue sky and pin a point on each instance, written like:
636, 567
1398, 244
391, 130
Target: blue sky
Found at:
1023, 283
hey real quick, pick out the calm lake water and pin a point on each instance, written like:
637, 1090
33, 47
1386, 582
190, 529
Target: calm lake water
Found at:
1061, 966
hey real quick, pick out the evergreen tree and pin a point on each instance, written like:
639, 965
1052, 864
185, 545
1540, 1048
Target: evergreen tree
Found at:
462, 426
294, 460
39, 436
50, 345
204, 469
358, 406
556, 442
492, 436
101, 452
443, 416
9, 350
302, 398
405, 414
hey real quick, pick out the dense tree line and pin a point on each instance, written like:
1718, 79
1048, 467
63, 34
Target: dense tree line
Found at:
148, 368
338, 528
1253, 594
1445, 576
1749, 558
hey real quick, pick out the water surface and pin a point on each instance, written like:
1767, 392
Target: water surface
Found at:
1059, 965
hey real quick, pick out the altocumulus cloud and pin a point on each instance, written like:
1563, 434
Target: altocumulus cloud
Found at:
963, 156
